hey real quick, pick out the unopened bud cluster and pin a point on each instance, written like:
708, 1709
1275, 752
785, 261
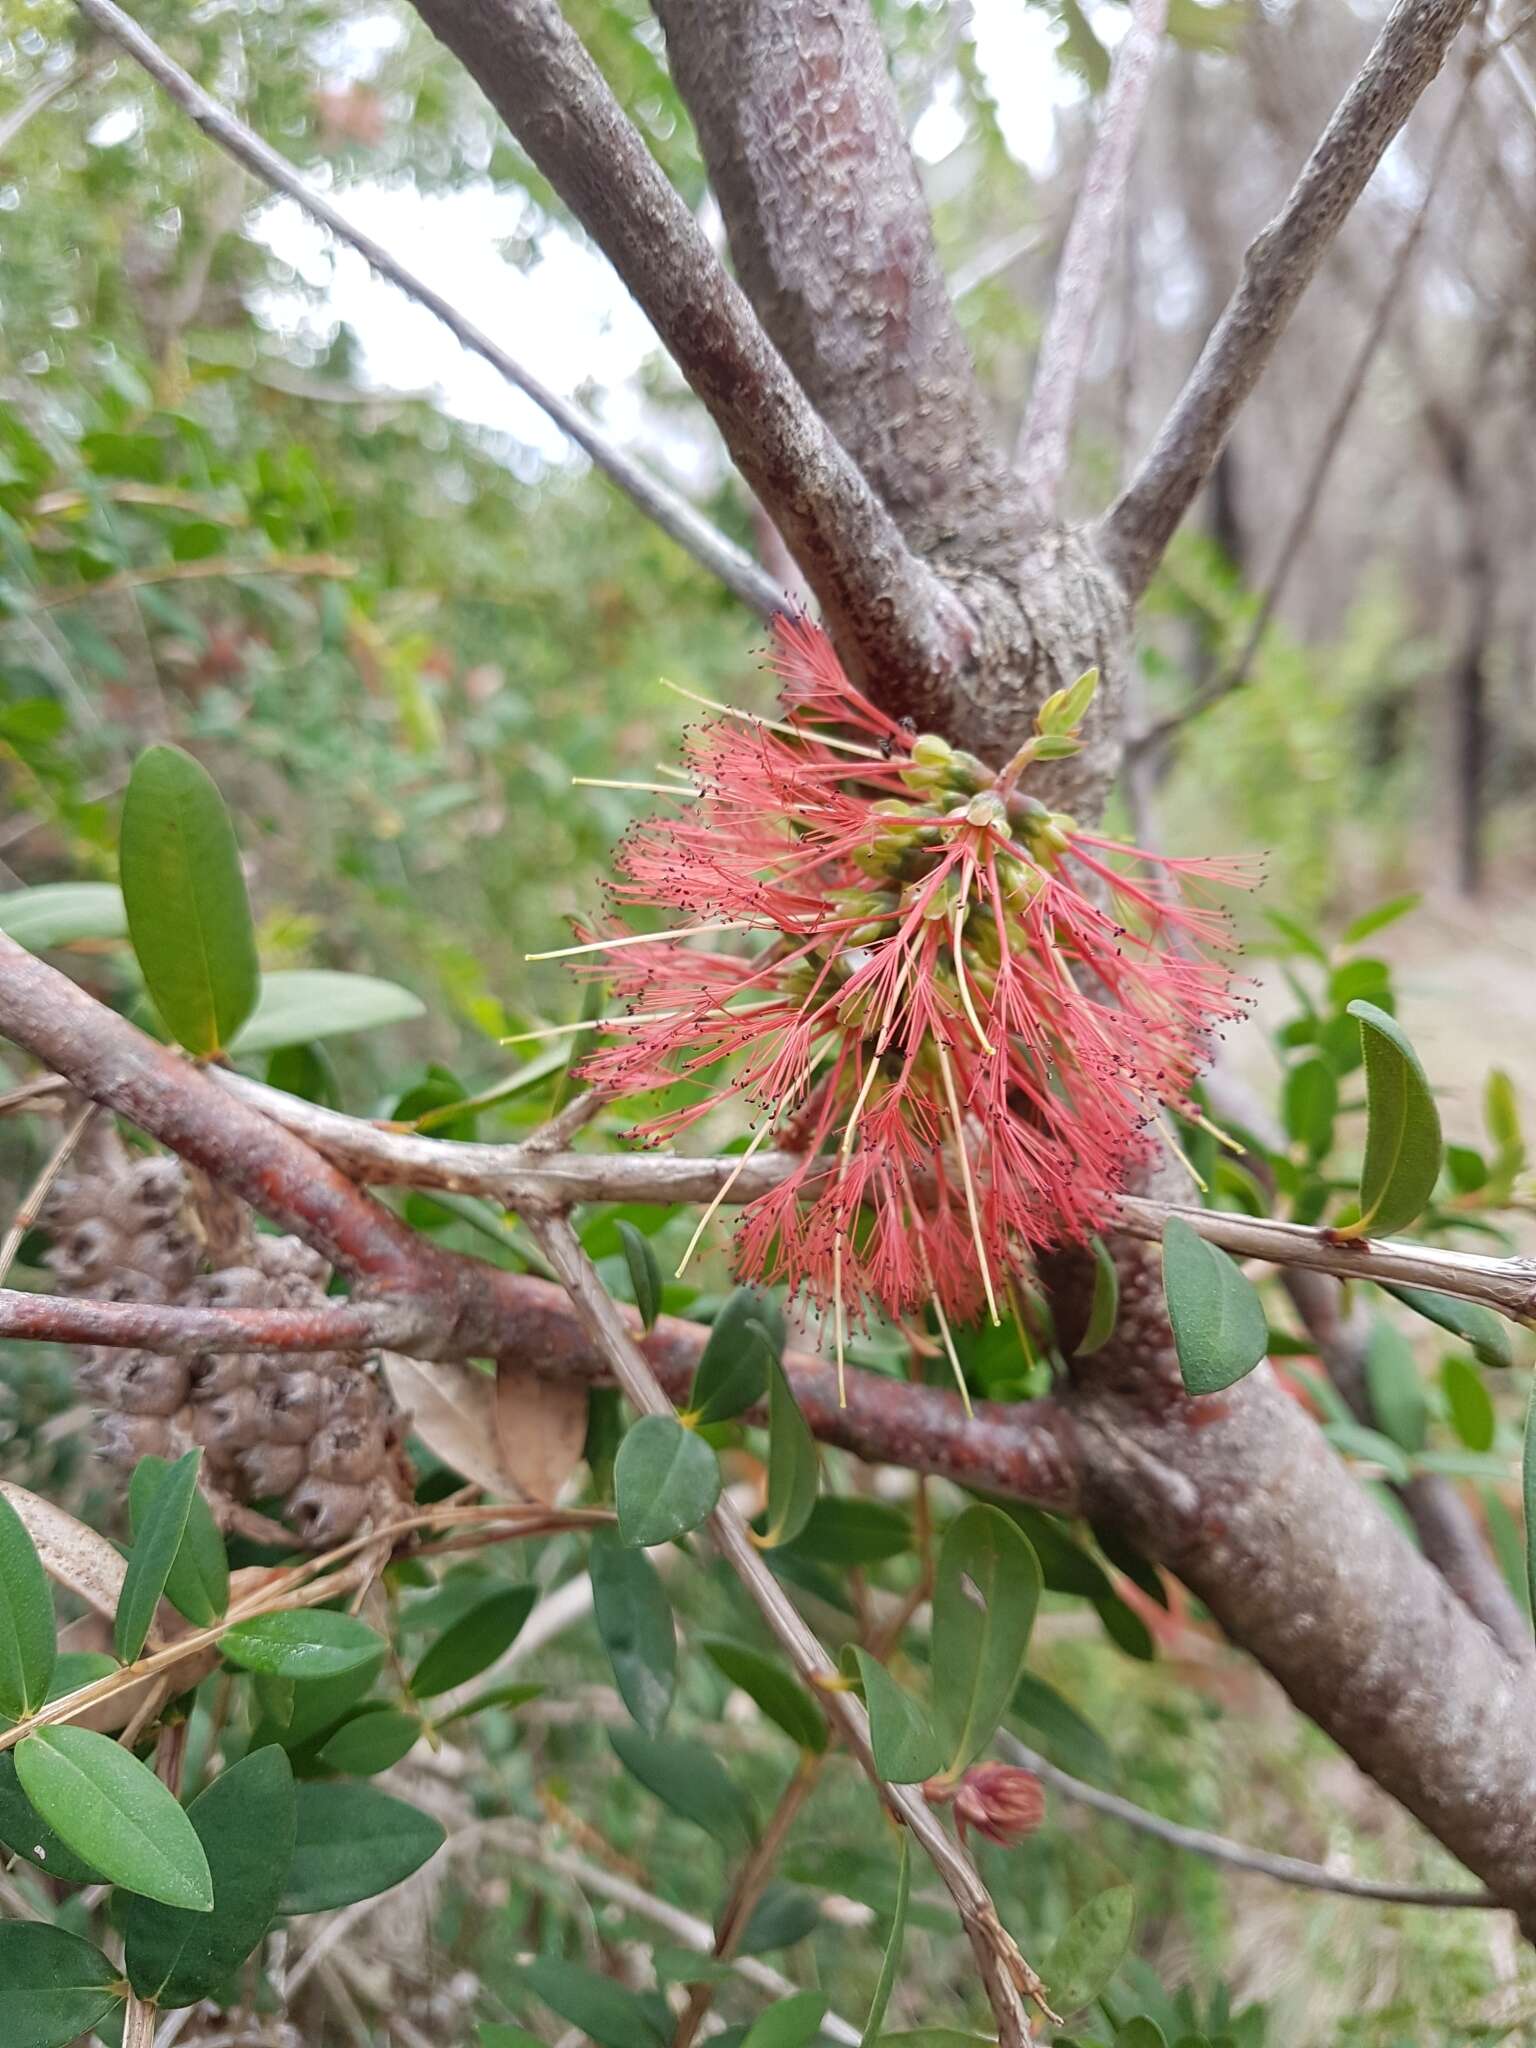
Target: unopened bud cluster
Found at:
315, 1434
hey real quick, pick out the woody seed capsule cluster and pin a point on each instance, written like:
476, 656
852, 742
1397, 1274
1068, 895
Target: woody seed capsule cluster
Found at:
315, 1433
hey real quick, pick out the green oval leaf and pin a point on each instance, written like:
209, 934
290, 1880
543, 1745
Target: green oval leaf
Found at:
1402, 1132
198, 1584
508, 1696
353, 1842
905, 1745
115, 1814
844, 1531
1141, 2032
789, 2024
890, 1962
301, 1003
1218, 1319
634, 1620
56, 1986
794, 1470
157, 1539
733, 1367
689, 1780
28, 1639
58, 913
23, 1829
1398, 1400
1488, 1334
1105, 1306
1472, 1415
370, 1741
1089, 1949
770, 1687
246, 1822
302, 1643
474, 1642
1310, 1105
984, 1601
188, 914
644, 1273
613, 2016
666, 1481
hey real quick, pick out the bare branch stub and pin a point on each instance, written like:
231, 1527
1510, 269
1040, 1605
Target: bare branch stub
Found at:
1279, 266
1086, 258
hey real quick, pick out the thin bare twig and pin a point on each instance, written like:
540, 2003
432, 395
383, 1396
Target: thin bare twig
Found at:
657, 500
227, 566
1045, 438
41, 97
1262, 1862
1279, 266
1329, 442
1006, 1975
32, 1202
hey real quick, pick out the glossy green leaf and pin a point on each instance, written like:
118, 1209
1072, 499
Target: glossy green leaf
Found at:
794, 1469
784, 1915
1064, 710
610, 2014
1105, 1305
789, 2024
474, 1642
1398, 1401
907, 1749
732, 1372
302, 1643
492, 2036
1373, 1446
1472, 1415
634, 1620
23, 1829
1141, 2032
301, 1709
1090, 1949
353, 1842
689, 1780
1217, 1317
55, 1986
644, 1273
115, 1814
370, 1741
1488, 1334
198, 1583
1125, 1628
58, 913
890, 1962
246, 1822
188, 914
666, 1481
779, 1695
302, 1003
1070, 1740
984, 1600
1402, 1136
843, 1530
28, 1639
156, 1541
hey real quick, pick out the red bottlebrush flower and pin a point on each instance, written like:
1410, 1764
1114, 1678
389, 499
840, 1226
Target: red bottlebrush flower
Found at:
961, 1011
1000, 1801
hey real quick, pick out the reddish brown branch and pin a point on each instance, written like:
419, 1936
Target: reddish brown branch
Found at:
887, 612
1279, 266
184, 1332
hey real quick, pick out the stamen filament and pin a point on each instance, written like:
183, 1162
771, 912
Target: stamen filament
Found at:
794, 732
965, 1174
685, 931
963, 980
953, 1356
614, 782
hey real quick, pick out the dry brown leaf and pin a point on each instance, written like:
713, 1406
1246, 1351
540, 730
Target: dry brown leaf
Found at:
541, 1426
453, 1411
71, 1553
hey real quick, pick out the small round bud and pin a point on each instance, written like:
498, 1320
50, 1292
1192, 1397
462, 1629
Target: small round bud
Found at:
932, 750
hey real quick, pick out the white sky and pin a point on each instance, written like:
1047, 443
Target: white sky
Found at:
568, 318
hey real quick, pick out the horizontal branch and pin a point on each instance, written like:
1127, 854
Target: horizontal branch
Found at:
1279, 266
889, 615
185, 1332
1261, 1862
515, 1175
712, 549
